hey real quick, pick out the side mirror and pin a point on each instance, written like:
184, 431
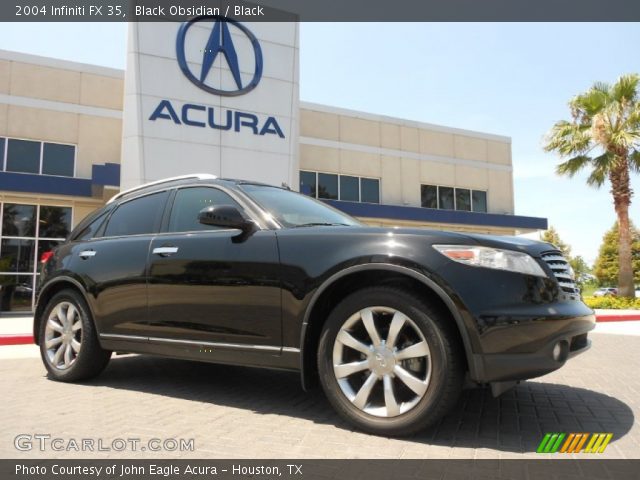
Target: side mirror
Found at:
226, 216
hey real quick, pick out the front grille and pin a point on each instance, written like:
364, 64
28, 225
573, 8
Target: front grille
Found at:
562, 271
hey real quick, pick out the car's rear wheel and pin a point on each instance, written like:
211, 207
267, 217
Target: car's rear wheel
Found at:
68, 342
389, 363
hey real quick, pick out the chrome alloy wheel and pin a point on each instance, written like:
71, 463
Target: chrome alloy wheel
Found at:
63, 335
382, 361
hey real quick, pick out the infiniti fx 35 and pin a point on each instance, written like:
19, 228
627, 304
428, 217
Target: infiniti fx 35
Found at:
390, 321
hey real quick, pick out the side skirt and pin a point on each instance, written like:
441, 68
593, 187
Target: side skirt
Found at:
226, 353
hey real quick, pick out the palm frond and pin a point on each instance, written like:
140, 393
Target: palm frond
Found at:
573, 165
568, 138
624, 138
601, 167
626, 88
634, 161
590, 103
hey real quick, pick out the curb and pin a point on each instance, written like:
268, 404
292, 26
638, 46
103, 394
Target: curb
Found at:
617, 318
27, 339
16, 339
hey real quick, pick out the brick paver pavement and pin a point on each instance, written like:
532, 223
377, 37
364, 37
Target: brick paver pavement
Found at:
234, 412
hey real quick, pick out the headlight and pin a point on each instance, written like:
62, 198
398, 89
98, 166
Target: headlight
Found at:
492, 258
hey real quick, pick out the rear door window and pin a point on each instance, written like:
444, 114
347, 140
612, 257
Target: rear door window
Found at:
138, 216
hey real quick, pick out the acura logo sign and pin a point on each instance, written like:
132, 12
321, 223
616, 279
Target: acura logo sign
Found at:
220, 44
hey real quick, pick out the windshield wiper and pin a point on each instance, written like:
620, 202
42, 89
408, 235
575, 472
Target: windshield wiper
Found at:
321, 224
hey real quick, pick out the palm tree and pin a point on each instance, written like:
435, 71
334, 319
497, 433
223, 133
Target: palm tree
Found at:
604, 136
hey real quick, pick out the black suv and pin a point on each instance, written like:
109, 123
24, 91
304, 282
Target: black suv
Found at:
389, 320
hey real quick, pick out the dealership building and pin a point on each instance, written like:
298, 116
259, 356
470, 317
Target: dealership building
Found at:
221, 97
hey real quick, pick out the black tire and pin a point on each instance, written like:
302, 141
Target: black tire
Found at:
446, 359
91, 358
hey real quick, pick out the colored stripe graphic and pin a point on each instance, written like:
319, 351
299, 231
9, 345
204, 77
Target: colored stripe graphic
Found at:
574, 442
550, 443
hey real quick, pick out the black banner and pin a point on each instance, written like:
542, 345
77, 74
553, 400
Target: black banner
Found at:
322, 10
548, 469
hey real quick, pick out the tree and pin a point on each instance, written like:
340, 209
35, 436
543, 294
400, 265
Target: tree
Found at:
607, 266
581, 269
604, 136
551, 236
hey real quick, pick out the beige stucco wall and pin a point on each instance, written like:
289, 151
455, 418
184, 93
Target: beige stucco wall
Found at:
62, 102
405, 154
81, 105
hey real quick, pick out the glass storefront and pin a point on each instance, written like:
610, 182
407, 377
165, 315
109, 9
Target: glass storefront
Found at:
26, 232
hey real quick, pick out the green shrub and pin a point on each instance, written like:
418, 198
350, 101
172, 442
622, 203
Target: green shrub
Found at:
618, 303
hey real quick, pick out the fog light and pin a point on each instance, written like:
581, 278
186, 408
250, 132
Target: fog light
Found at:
560, 351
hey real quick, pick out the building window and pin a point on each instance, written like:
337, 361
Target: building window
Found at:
308, 183
479, 201
370, 190
463, 199
45, 158
429, 196
445, 198
451, 198
348, 188
27, 231
23, 156
58, 159
328, 186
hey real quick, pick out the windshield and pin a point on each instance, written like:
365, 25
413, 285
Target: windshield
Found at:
292, 209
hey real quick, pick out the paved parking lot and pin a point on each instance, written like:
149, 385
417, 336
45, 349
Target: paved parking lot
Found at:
234, 412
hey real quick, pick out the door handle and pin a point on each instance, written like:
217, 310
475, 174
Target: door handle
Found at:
87, 254
165, 251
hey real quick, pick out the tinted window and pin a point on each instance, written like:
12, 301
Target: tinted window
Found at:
429, 196
2, 142
327, 186
55, 222
370, 190
189, 202
18, 220
89, 231
58, 159
463, 199
479, 201
16, 293
17, 255
308, 183
295, 210
349, 189
137, 217
445, 196
23, 156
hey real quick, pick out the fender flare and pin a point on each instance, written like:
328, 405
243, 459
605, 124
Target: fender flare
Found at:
47, 287
464, 334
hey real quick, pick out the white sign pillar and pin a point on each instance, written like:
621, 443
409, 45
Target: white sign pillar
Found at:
211, 96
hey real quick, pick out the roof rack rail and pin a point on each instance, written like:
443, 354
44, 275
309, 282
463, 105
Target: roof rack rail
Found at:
197, 176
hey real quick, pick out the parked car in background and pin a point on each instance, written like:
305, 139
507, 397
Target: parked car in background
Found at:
389, 321
606, 292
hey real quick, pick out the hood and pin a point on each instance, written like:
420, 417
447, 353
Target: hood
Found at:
532, 247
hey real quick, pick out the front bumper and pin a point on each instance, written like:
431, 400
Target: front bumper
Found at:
552, 352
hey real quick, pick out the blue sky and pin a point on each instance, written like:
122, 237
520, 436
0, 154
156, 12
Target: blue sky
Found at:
508, 79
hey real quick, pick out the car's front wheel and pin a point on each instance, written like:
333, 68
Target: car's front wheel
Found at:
69, 345
389, 363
